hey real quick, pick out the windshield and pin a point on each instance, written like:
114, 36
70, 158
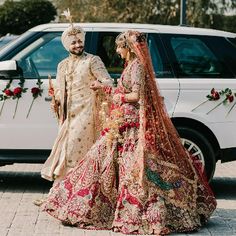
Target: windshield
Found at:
6, 39
4, 51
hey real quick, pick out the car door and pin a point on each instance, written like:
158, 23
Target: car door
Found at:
104, 46
36, 61
203, 63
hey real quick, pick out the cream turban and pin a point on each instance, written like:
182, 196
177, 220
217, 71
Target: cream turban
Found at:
69, 35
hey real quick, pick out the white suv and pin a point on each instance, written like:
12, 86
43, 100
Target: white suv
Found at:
188, 63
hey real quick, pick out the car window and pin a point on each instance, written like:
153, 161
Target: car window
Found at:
226, 51
233, 41
106, 49
6, 39
161, 64
4, 42
47, 57
195, 57
40, 58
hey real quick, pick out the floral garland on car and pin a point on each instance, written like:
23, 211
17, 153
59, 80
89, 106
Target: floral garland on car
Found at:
228, 97
7, 94
35, 91
16, 93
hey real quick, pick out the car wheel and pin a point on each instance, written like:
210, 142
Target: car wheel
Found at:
199, 147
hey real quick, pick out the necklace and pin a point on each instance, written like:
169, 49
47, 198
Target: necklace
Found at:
71, 66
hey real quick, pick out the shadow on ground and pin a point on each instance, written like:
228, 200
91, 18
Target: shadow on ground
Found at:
224, 187
23, 181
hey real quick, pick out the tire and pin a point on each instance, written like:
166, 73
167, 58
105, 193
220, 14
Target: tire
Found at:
198, 145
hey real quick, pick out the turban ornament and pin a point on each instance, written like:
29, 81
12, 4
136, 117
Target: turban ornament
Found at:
72, 32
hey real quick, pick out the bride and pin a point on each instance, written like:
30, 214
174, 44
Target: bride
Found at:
137, 178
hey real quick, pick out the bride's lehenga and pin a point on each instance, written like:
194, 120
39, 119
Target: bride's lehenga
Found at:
137, 178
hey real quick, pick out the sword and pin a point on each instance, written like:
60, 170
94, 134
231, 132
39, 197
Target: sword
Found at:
56, 110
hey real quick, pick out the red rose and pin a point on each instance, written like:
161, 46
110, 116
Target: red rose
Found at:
216, 96
8, 92
17, 91
35, 90
230, 98
213, 91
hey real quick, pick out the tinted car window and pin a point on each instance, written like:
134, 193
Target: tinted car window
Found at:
14, 46
226, 51
41, 57
106, 49
160, 61
196, 57
47, 57
6, 39
233, 41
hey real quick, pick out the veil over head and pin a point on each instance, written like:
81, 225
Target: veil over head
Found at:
161, 157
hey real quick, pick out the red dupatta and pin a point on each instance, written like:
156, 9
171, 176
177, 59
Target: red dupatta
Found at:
162, 159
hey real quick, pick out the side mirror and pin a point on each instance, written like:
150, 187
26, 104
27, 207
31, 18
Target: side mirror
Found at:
9, 69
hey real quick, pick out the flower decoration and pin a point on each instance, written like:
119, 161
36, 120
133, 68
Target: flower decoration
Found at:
17, 94
213, 96
231, 98
7, 93
114, 121
228, 97
35, 91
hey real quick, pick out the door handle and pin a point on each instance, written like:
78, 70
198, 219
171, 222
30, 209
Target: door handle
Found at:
48, 99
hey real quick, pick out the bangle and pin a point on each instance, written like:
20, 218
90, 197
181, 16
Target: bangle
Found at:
122, 98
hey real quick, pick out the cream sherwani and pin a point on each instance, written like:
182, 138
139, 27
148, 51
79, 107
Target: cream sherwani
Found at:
77, 121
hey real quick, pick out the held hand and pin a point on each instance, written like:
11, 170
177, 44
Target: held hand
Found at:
95, 85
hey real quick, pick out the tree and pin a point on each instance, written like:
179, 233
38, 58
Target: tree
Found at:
136, 11
199, 12
17, 17
227, 23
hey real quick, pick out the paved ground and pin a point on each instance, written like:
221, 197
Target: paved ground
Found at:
20, 184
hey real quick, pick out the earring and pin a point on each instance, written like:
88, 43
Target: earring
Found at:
128, 56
